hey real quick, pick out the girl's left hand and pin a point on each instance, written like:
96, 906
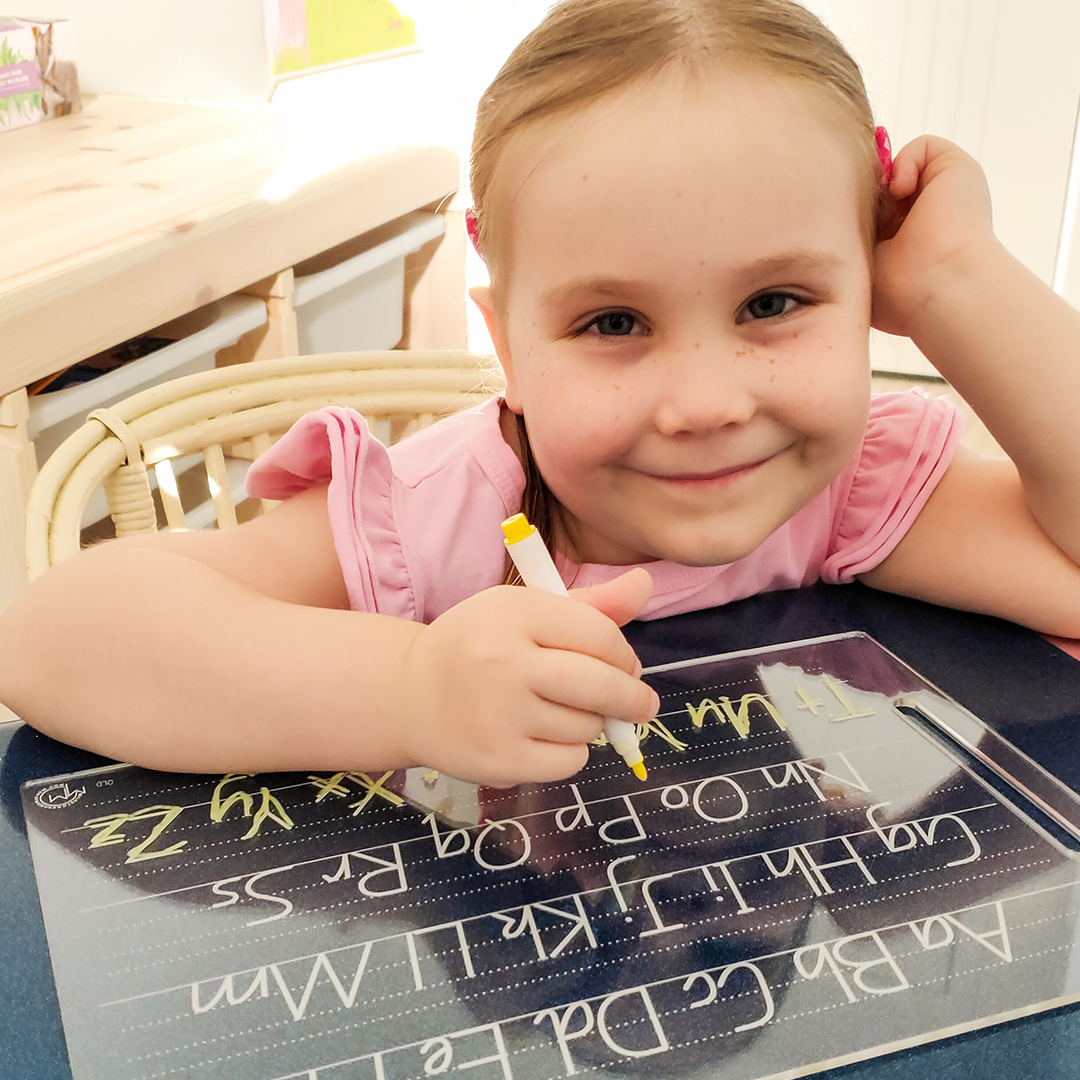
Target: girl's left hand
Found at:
935, 220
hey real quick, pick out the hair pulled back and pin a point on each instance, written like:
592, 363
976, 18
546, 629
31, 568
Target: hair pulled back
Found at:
586, 49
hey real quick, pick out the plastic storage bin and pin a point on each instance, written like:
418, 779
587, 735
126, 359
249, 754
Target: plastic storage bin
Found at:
352, 298
196, 336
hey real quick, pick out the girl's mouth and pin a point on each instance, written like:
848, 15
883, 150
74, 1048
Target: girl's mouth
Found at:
718, 477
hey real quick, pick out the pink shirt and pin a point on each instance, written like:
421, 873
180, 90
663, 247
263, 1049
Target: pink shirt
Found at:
416, 526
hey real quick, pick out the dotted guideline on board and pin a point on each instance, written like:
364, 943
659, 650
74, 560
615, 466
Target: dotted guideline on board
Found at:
805, 878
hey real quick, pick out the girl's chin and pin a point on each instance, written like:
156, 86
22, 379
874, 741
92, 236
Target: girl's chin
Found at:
674, 548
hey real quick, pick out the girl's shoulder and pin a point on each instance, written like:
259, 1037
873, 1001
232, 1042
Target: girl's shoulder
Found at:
333, 440
910, 437
416, 526
467, 442
909, 441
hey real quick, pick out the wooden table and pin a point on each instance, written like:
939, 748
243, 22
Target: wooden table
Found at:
134, 212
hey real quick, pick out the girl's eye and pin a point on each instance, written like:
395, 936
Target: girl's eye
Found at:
769, 306
612, 324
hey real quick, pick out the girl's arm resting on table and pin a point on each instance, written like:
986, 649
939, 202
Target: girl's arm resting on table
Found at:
997, 536
976, 546
231, 651
1002, 337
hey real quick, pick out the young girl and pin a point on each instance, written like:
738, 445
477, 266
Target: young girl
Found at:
690, 231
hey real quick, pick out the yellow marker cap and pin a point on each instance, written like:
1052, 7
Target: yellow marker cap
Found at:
517, 528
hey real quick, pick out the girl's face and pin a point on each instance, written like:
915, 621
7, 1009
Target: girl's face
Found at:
682, 313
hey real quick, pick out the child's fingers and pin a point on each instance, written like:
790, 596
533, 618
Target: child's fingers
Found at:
922, 160
911, 164
552, 761
534, 761
490, 626
579, 628
620, 599
907, 168
592, 686
558, 723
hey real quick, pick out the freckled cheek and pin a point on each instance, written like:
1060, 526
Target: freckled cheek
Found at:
825, 379
579, 430
832, 352
793, 379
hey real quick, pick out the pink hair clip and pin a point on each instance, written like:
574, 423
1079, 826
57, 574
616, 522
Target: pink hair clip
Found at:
884, 149
473, 230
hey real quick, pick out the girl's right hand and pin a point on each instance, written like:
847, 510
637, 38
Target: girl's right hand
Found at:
512, 684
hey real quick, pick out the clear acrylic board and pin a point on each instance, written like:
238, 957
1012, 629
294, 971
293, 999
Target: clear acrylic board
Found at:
810, 875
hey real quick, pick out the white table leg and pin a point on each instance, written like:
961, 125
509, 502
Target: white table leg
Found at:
278, 337
435, 313
18, 467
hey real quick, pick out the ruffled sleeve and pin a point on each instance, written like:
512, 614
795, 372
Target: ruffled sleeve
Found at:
909, 442
335, 445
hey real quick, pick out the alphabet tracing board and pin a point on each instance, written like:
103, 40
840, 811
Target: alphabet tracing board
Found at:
807, 877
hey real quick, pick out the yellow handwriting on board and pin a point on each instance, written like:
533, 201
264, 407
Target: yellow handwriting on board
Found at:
738, 717
849, 709
335, 785
329, 785
808, 701
657, 727
108, 832
373, 788
270, 808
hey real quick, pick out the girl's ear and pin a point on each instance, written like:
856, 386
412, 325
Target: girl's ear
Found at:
481, 297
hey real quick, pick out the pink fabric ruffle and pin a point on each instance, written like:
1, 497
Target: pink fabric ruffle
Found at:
910, 439
335, 444
416, 527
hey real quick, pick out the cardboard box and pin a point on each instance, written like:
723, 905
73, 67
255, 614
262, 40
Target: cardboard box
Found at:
38, 76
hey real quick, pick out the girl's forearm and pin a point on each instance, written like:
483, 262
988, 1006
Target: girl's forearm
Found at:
148, 656
1011, 347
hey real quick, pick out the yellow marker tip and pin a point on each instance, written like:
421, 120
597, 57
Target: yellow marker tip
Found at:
516, 528
639, 770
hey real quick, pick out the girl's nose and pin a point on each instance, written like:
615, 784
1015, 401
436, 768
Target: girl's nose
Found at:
702, 390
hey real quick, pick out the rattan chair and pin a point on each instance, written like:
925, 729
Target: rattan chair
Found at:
229, 413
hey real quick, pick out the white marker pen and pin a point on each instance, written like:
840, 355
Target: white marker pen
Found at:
537, 570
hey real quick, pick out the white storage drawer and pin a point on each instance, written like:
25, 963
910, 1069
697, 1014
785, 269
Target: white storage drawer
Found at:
352, 298
196, 337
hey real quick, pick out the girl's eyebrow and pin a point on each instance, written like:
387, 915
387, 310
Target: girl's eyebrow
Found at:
795, 260
613, 288
619, 288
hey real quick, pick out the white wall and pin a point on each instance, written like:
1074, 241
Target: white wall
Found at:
999, 77
211, 50
430, 97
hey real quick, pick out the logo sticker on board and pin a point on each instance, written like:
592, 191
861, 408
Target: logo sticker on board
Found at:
57, 796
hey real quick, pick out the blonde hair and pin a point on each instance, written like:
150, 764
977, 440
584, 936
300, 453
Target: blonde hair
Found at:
586, 49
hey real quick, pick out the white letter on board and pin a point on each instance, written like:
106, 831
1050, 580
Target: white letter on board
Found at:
579, 810
563, 1034
384, 867
636, 831
500, 826
601, 1024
